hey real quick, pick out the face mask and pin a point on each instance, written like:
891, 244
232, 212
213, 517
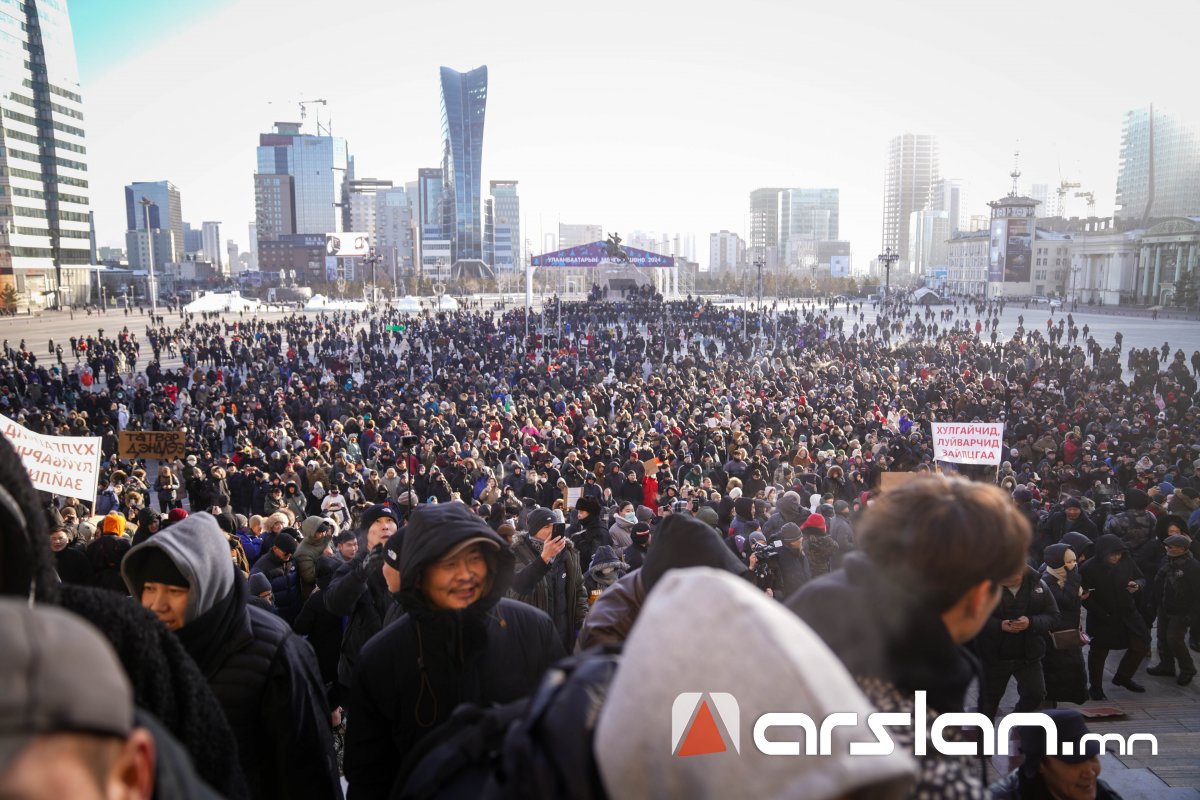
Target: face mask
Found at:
631, 517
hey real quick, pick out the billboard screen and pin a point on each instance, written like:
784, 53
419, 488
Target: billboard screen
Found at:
347, 245
1019, 250
839, 266
997, 241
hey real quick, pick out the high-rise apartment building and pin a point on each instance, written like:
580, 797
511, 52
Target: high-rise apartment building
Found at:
193, 240
912, 169
947, 194
764, 226
464, 103
166, 212
300, 184
726, 251
211, 232
45, 243
570, 235
392, 234
361, 199
506, 226
1159, 174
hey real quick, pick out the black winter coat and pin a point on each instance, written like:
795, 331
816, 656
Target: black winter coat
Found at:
556, 588
592, 533
1112, 618
1032, 600
413, 674
364, 600
1064, 671
285, 584
1178, 587
267, 681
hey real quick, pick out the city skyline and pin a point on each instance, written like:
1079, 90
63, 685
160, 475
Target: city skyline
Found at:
637, 131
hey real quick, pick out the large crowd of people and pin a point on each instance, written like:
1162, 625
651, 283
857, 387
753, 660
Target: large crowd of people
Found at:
392, 540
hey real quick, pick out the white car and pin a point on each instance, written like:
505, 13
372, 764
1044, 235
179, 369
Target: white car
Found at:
1056, 303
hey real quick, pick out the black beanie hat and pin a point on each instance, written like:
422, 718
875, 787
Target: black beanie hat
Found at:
157, 567
744, 506
1055, 554
1137, 499
640, 533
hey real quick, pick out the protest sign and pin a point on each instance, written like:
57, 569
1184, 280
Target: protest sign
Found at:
62, 465
894, 480
968, 442
167, 445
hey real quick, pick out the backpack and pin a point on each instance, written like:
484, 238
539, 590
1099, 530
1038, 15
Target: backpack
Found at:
537, 747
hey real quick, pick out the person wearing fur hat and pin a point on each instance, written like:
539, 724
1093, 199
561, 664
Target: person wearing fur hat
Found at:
590, 531
548, 575
277, 565
819, 546
264, 676
460, 641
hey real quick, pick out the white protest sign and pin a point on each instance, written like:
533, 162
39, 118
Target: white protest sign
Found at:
63, 465
968, 442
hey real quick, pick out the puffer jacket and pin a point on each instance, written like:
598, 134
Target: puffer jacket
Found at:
1032, 600
359, 593
265, 677
556, 588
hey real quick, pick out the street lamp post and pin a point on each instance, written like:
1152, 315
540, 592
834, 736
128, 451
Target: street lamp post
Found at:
887, 258
146, 203
759, 264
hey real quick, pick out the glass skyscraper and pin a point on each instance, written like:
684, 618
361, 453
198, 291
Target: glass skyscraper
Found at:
44, 199
464, 101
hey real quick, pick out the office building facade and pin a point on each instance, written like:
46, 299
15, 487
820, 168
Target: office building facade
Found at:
912, 169
464, 104
301, 183
506, 226
166, 211
726, 251
211, 232
392, 234
1159, 172
45, 245
764, 227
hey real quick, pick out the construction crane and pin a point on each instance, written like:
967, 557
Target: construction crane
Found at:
1061, 191
304, 114
1091, 202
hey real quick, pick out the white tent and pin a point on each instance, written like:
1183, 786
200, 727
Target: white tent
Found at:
407, 304
222, 301
320, 302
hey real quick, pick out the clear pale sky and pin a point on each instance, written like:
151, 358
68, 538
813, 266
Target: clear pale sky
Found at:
632, 115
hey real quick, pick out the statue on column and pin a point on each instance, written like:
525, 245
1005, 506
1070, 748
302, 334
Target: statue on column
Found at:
613, 247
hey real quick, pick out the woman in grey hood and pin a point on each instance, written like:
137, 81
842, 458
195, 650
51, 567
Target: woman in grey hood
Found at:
264, 676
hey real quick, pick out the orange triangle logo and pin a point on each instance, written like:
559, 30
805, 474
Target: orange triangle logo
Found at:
703, 737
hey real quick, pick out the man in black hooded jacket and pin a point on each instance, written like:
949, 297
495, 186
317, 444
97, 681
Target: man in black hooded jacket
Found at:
1113, 579
461, 641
